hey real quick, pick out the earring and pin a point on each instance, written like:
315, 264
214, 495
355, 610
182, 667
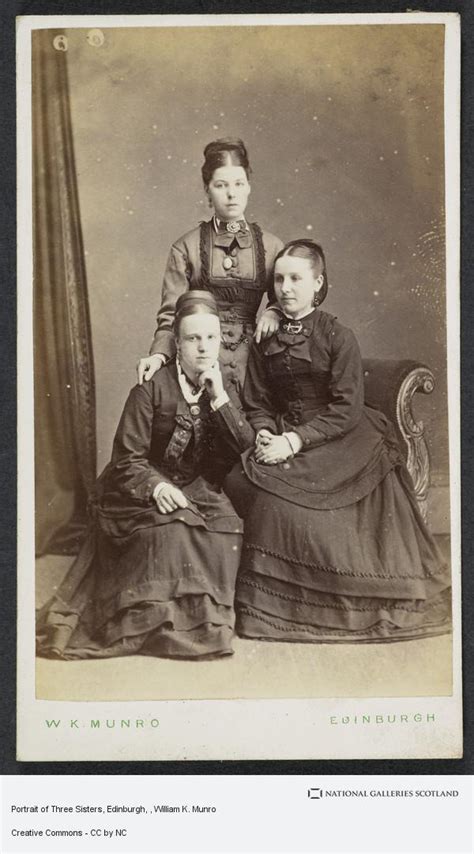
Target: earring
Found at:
316, 300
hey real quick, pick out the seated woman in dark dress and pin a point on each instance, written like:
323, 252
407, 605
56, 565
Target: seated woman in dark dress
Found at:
335, 548
156, 575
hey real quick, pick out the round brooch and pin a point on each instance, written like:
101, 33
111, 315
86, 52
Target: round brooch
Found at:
233, 227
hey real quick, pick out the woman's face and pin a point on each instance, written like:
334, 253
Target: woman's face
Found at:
295, 285
229, 191
198, 343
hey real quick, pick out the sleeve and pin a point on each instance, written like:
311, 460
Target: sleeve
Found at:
175, 282
271, 251
346, 389
257, 399
131, 471
232, 426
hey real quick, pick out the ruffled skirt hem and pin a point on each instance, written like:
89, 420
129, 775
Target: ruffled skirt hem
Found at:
194, 627
369, 572
260, 625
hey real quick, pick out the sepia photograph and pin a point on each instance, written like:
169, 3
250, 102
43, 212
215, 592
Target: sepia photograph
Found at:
239, 298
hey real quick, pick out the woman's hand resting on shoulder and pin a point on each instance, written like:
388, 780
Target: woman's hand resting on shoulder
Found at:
148, 366
267, 325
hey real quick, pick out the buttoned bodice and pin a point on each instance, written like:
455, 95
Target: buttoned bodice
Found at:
298, 367
233, 269
236, 268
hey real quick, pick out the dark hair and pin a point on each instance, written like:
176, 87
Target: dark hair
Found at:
194, 301
224, 152
304, 248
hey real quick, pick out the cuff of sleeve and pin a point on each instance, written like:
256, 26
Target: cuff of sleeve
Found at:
158, 489
150, 487
263, 424
164, 359
295, 441
220, 401
273, 307
310, 437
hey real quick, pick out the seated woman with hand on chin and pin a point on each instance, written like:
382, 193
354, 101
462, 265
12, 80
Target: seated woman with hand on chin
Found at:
156, 575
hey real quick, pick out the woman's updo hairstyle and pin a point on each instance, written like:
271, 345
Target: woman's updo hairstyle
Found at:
194, 301
313, 253
228, 151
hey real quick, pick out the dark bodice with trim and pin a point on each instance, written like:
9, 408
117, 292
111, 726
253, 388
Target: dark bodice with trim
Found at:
299, 389
308, 378
298, 369
163, 437
182, 446
235, 267
238, 298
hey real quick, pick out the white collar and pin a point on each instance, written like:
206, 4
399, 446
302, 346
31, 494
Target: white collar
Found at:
185, 386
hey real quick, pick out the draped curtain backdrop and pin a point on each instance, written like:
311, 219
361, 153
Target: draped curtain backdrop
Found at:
65, 437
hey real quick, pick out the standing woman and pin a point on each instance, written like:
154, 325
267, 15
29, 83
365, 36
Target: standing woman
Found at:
335, 548
229, 257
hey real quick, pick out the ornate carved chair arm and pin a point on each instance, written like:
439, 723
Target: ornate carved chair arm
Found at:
391, 386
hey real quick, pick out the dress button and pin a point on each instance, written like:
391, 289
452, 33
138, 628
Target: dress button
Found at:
286, 465
233, 364
175, 477
306, 441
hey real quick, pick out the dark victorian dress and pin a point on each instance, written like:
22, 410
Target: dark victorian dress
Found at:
237, 268
335, 548
145, 582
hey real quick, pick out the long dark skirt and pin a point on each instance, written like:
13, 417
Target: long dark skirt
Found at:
149, 584
366, 572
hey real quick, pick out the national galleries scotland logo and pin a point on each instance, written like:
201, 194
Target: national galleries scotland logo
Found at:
316, 794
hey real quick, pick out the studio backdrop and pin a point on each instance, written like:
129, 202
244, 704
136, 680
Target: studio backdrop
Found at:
344, 128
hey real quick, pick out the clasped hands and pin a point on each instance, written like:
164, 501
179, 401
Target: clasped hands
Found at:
270, 449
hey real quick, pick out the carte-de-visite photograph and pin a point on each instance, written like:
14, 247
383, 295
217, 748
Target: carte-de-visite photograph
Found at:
241, 373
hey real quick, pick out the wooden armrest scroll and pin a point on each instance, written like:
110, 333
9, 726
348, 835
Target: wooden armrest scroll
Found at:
420, 379
390, 385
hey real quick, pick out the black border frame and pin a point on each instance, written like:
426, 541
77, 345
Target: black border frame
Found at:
9, 10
